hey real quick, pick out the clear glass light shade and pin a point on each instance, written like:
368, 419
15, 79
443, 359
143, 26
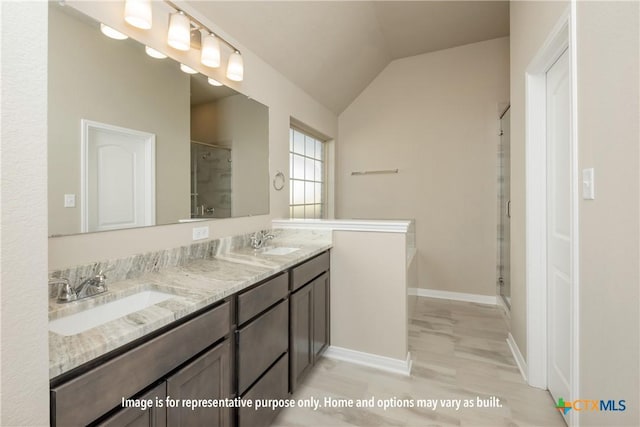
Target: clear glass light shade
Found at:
235, 68
138, 13
110, 32
179, 36
210, 54
154, 53
214, 82
187, 69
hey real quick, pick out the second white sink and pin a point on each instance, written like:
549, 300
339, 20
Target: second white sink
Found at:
280, 251
101, 314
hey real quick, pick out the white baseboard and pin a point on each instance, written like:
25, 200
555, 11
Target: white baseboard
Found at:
522, 364
456, 296
397, 366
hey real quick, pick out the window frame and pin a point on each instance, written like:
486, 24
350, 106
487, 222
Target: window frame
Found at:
323, 182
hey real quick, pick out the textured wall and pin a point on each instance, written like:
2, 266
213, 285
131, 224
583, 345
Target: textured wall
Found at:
24, 396
531, 22
435, 117
608, 135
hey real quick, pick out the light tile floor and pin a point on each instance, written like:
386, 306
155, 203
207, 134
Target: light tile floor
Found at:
459, 352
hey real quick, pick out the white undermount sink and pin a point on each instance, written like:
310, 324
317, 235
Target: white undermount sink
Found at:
280, 251
103, 313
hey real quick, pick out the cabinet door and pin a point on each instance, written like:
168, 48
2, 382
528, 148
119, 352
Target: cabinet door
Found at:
320, 297
208, 377
134, 417
301, 334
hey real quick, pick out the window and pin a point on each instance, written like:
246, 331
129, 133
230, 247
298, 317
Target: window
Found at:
306, 172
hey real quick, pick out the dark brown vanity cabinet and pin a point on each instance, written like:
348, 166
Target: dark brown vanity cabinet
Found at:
183, 358
135, 417
262, 348
309, 334
256, 345
206, 378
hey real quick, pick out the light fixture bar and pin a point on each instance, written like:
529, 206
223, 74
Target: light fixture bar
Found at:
200, 26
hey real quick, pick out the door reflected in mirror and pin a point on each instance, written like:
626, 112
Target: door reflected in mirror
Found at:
211, 143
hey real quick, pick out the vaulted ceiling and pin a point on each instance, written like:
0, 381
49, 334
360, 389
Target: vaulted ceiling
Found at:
334, 49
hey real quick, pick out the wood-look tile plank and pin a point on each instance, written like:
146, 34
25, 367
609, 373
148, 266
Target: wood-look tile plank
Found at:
459, 352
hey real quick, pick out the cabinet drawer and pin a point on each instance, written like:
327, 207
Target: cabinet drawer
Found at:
262, 297
85, 398
273, 385
260, 343
309, 270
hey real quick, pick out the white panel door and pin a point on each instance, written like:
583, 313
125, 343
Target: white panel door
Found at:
119, 173
559, 229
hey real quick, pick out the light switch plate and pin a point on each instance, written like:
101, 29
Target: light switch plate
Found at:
200, 233
69, 200
588, 184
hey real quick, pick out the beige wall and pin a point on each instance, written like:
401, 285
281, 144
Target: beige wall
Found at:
609, 235
435, 117
378, 325
204, 123
531, 22
24, 364
96, 78
608, 135
263, 84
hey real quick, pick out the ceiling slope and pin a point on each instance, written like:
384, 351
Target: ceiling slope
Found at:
334, 49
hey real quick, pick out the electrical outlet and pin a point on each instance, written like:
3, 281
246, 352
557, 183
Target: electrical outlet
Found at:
200, 233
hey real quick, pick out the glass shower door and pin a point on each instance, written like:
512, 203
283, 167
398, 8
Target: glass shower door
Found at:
210, 181
504, 234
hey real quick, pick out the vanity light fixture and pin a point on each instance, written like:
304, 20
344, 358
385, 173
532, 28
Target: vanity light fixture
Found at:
210, 54
235, 67
187, 69
214, 82
179, 36
111, 33
138, 13
154, 53
182, 24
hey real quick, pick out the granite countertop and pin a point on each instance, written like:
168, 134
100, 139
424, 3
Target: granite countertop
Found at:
196, 284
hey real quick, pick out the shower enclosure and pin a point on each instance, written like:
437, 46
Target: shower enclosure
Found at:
210, 181
504, 191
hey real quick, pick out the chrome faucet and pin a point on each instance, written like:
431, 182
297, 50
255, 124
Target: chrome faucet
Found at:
86, 288
259, 238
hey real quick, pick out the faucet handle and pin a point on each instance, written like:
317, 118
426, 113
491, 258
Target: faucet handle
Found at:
268, 234
102, 281
66, 293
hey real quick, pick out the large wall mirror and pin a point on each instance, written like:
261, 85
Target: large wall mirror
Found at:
134, 141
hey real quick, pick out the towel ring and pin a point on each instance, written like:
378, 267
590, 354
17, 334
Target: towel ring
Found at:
278, 181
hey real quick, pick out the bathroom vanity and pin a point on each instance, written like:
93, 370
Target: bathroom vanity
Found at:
251, 339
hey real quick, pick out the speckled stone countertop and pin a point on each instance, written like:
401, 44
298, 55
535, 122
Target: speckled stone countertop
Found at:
195, 284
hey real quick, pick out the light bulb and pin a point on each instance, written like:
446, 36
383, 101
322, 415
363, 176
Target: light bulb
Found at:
210, 55
179, 36
138, 13
214, 82
235, 67
154, 53
110, 32
187, 69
